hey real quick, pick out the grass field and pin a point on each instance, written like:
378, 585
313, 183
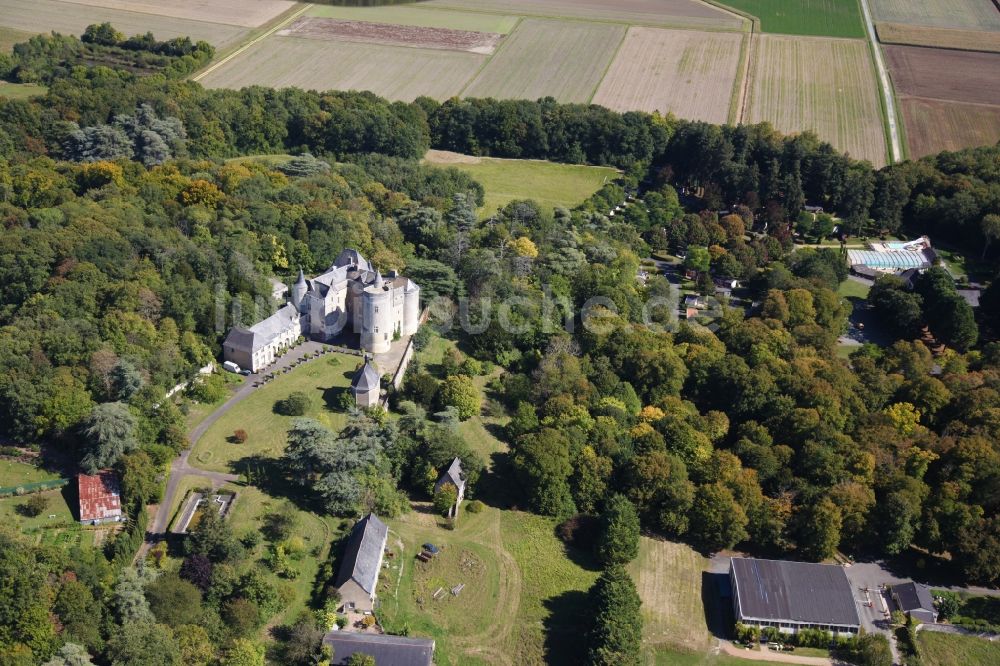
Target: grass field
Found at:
10, 36
826, 85
952, 650
668, 13
675, 658
38, 16
688, 73
395, 72
561, 59
321, 378
420, 15
853, 289
934, 125
61, 530
548, 183
20, 90
974, 14
230, 12
14, 473
945, 38
824, 18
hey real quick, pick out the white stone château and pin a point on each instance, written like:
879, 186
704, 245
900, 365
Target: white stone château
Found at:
351, 296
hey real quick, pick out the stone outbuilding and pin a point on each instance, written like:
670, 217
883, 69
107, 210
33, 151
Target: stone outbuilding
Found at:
455, 476
366, 387
357, 579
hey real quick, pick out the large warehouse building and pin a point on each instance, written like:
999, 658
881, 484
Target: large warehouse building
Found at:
793, 596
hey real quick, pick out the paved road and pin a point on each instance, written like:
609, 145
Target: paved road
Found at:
895, 145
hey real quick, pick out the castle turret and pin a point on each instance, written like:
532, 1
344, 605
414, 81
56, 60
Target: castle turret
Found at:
376, 324
299, 290
411, 308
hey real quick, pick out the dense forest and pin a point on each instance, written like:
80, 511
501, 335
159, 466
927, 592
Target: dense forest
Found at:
127, 224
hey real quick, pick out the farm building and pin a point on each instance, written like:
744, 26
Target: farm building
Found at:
100, 498
916, 601
456, 477
893, 257
358, 576
791, 596
366, 386
386, 650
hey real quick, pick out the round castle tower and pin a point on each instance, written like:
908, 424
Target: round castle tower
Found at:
299, 290
376, 329
411, 308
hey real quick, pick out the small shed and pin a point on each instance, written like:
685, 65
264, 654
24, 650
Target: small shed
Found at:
100, 498
916, 601
366, 387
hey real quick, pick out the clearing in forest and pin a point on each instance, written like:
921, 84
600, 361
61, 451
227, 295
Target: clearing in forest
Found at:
393, 72
669, 13
945, 38
688, 73
824, 85
821, 18
973, 14
561, 59
246, 13
933, 125
391, 34
44, 16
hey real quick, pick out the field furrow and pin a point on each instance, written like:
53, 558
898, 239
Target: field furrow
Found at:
690, 74
824, 85
541, 58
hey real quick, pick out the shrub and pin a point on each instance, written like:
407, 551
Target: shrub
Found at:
368, 621
341, 621
240, 436
579, 531
296, 404
475, 506
34, 506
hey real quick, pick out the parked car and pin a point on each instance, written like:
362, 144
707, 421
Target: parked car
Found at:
245, 373
231, 367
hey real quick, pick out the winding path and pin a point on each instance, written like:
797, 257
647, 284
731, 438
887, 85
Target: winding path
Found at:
895, 145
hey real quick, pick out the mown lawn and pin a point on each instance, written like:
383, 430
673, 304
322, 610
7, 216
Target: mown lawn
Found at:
952, 650
829, 18
62, 529
323, 379
14, 473
852, 289
547, 183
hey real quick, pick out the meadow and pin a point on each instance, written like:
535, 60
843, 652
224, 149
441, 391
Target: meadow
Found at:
20, 90
548, 183
14, 473
826, 85
43, 16
973, 14
687, 73
821, 18
322, 378
950, 650
934, 125
562, 59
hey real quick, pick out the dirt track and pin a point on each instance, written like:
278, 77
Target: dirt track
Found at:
393, 35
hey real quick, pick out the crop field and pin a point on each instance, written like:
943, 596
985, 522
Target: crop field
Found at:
246, 13
561, 59
685, 72
669, 13
956, 76
548, 183
933, 125
823, 18
420, 15
973, 14
43, 16
394, 72
945, 38
447, 39
826, 85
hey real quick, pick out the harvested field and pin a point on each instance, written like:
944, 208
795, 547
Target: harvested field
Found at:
933, 125
955, 76
974, 14
420, 15
688, 73
394, 72
561, 59
43, 16
945, 38
668, 13
9, 37
826, 85
246, 13
393, 35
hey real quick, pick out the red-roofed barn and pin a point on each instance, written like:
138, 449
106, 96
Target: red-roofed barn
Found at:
100, 500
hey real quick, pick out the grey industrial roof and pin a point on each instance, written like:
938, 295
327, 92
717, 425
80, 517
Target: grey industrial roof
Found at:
794, 591
454, 474
913, 596
366, 378
387, 650
363, 554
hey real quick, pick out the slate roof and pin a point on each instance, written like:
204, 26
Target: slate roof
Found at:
264, 332
99, 496
363, 553
366, 378
351, 257
794, 591
913, 596
453, 474
387, 650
